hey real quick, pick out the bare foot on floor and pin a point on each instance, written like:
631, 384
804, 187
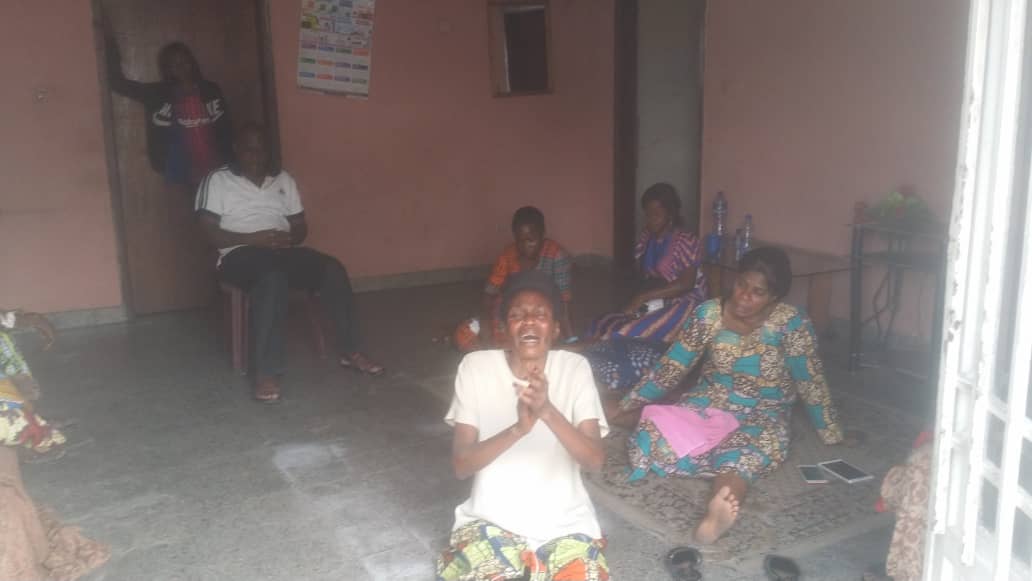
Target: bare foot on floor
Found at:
720, 515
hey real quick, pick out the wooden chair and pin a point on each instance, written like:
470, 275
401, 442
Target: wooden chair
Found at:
236, 307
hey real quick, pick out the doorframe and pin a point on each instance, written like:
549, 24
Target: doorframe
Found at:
263, 27
625, 131
975, 493
107, 119
696, 224
267, 70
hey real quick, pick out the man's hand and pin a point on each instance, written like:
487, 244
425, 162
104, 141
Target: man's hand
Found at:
271, 239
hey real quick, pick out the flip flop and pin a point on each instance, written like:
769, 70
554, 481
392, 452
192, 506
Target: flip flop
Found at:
359, 363
780, 568
61, 424
682, 563
51, 455
56, 453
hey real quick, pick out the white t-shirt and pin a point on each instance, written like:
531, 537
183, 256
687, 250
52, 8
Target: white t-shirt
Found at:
533, 489
243, 207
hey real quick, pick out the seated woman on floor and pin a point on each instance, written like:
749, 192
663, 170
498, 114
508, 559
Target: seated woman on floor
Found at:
33, 545
758, 355
527, 420
670, 286
530, 251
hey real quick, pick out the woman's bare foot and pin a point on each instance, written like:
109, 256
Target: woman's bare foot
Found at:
720, 515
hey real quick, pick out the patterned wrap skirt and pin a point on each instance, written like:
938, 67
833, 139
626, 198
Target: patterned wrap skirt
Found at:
480, 551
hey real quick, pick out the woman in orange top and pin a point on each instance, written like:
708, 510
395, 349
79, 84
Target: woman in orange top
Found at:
529, 250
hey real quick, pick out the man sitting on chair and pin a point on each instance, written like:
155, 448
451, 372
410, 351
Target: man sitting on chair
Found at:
252, 213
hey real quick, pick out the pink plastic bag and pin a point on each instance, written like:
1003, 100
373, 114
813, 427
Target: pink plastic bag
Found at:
688, 431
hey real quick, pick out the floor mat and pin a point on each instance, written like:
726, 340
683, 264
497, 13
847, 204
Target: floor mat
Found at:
782, 513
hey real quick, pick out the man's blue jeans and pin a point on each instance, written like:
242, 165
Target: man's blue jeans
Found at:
267, 275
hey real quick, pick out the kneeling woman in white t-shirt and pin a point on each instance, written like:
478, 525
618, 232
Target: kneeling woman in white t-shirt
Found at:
527, 420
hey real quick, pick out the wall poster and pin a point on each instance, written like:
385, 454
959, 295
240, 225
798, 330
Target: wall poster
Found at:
335, 53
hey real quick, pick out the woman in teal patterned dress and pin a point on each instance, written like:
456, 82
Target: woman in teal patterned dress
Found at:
758, 355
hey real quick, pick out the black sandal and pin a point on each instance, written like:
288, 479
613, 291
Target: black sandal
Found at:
682, 563
780, 568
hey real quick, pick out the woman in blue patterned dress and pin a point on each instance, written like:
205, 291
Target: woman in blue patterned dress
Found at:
670, 286
758, 355
670, 283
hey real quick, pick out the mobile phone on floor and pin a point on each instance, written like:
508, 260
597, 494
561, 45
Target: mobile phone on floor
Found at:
813, 474
845, 471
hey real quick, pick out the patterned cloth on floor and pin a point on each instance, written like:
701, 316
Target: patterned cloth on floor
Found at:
34, 546
480, 551
19, 424
619, 363
906, 489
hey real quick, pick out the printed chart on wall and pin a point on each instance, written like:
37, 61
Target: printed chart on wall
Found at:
335, 55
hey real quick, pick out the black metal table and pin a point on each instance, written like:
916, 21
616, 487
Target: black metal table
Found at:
909, 246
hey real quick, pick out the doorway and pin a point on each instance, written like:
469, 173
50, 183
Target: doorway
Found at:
658, 110
167, 265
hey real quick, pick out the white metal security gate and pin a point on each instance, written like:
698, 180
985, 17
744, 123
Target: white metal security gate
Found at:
981, 506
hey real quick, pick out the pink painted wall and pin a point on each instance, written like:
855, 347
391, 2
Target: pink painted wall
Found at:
57, 241
426, 173
810, 107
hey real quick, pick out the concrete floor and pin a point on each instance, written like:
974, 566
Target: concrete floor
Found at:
347, 479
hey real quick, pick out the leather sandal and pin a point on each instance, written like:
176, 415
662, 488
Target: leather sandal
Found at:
360, 363
267, 391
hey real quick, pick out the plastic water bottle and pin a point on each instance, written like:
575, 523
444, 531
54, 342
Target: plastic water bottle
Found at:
715, 239
747, 233
739, 244
719, 213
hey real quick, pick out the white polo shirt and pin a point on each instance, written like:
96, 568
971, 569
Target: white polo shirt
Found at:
533, 489
243, 207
